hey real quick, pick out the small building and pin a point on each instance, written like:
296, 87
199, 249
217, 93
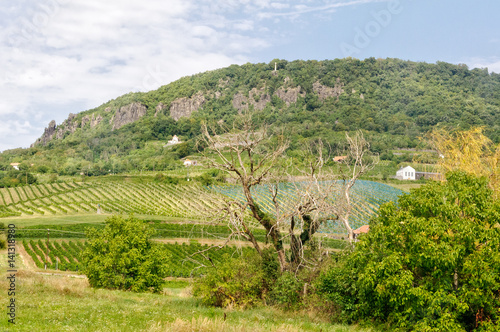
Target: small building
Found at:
173, 141
406, 173
15, 165
362, 230
338, 159
189, 162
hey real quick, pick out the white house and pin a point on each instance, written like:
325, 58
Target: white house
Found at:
15, 165
406, 173
173, 141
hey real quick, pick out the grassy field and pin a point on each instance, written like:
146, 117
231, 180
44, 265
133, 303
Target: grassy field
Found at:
66, 303
406, 187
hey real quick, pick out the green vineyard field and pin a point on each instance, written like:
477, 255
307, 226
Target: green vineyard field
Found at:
177, 201
366, 196
184, 260
153, 199
60, 255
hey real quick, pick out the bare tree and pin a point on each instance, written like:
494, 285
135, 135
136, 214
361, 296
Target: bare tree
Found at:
249, 156
255, 157
357, 163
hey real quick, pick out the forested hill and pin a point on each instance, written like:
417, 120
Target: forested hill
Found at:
395, 101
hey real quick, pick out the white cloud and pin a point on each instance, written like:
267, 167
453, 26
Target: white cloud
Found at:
21, 131
312, 7
493, 64
86, 52
62, 56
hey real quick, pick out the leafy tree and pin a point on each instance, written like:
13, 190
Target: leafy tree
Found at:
122, 256
430, 263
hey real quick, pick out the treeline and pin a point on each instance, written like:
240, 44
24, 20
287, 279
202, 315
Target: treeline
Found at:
14, 178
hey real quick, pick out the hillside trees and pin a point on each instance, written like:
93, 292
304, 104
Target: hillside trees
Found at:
253, 156
385, 97
431, 263
122, 256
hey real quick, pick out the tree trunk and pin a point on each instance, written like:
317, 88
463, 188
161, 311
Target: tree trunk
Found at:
271, 228
309, 229
350, 232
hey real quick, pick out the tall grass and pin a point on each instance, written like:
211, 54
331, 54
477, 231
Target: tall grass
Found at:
61, 303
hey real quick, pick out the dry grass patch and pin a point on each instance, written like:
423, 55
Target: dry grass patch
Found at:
204, 324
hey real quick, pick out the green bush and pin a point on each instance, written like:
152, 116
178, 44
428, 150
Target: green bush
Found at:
238, 281
287, 291
122, 256
3, 238
432, 263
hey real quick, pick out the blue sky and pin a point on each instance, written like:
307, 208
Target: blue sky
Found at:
66, 56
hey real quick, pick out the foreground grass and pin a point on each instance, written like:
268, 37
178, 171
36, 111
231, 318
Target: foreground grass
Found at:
62, 303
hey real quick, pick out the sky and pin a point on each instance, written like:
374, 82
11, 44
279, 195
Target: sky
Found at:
66, 56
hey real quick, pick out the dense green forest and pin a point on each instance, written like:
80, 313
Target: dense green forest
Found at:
393, 101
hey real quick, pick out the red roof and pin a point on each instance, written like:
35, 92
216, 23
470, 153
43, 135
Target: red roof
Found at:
339, 158
362, 229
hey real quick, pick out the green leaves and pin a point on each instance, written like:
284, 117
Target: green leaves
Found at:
433, 263
121, 256
237, 281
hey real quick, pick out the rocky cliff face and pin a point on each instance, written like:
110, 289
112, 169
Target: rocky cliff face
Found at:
93, 120
69, 125
185, 106
48, 134
127, 114
289, 95
327, 92
257, 98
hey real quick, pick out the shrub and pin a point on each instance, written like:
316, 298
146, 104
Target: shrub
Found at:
122, 256
238, 281
431, 263
287, 291
3, 238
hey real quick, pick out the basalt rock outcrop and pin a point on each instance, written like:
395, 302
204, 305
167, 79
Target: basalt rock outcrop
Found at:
257, 98
185, 106
48, 134
325, 92
289, 95
127, 114
93, 120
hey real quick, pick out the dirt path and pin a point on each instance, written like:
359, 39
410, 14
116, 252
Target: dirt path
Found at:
25, 258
